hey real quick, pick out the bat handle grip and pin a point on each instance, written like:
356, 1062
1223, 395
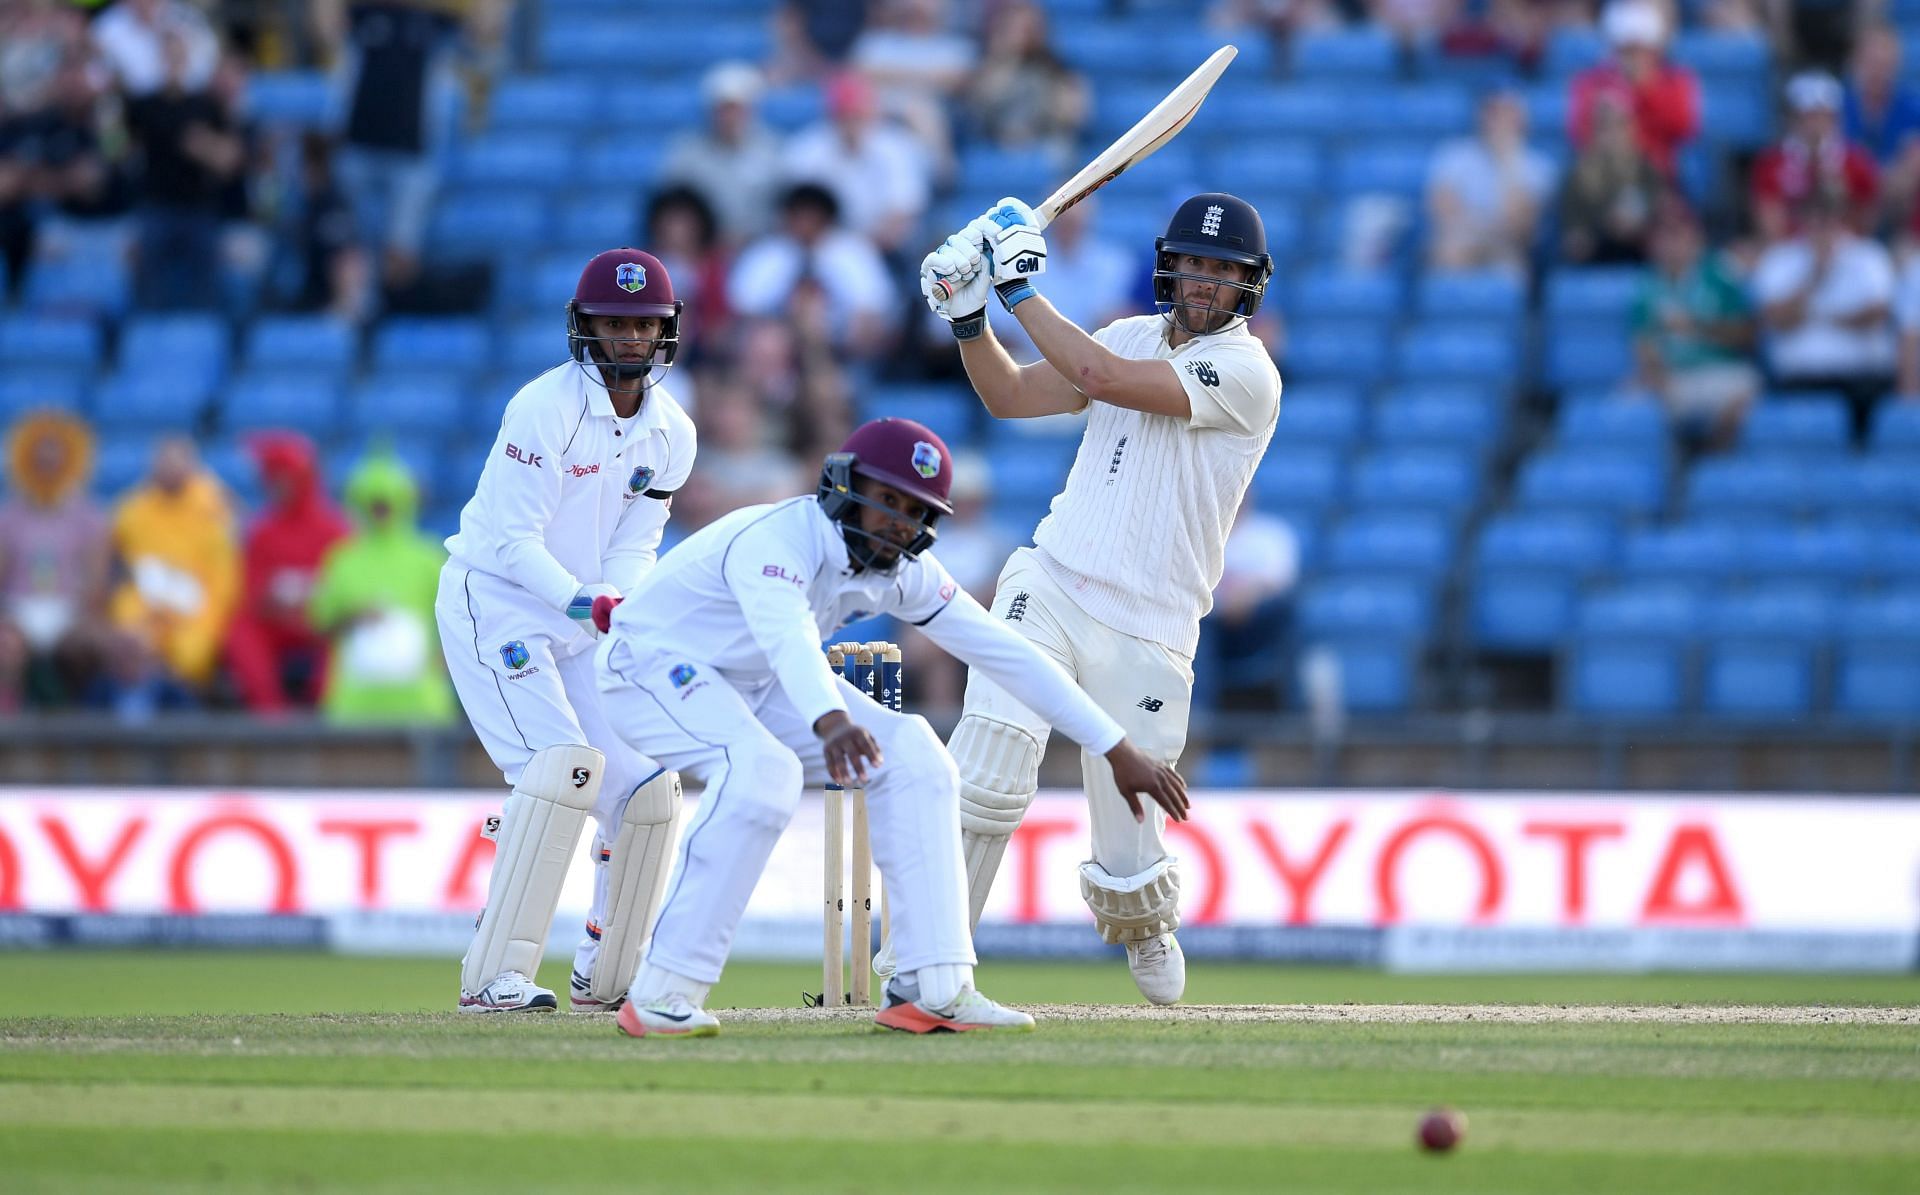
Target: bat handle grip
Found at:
943, 288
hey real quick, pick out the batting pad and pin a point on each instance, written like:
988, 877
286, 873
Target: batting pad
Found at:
636, 872
999, 772
1133, 908
539, 830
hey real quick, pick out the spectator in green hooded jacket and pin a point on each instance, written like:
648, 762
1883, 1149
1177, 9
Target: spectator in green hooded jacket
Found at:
374, 602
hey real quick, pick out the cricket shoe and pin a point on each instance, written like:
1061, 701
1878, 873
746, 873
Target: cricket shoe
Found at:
510, 991
583, 1001
674, 1016
969, 1011
1159, 968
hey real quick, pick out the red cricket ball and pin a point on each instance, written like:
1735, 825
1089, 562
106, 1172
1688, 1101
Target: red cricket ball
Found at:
1442, 1129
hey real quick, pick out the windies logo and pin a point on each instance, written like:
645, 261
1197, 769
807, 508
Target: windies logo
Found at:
630, 276
641, 479
514, 655
1210, 223
926, 459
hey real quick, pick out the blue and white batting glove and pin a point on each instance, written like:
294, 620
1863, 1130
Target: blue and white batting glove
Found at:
1019, 250
580, 609
954, 281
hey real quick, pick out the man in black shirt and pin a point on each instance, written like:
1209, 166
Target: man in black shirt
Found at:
189, 153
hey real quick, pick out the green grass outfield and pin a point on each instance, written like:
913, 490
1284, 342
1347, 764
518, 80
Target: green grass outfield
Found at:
250, 1071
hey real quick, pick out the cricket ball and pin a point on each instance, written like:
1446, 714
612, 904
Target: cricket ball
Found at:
1442, 1129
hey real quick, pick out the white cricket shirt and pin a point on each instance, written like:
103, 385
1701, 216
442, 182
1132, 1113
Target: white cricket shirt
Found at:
1138, 536
754, 594
571, 494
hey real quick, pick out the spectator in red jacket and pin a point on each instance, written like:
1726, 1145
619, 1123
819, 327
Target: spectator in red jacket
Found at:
1664, 98
276, 659
1814, 161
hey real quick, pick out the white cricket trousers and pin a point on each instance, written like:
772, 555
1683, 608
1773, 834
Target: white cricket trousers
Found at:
755, 755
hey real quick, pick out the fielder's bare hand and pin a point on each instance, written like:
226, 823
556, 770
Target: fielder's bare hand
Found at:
850, 748
1136, 772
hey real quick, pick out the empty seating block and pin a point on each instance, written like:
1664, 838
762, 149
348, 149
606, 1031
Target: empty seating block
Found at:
1622, 677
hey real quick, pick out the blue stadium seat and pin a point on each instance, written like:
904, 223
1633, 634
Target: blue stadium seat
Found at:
1811, 425
52, 341
1434, 110
1013, 171
1365, 605
515, 159
1883, 488
283, 398
1494, 294
1376, 674
1289, 166
1400, 542
951, 411
1725, 486
120, 461
539, 286
1723, 53
1647, 610
304, 99
1896, 428
1896, 555
1826, 552
1878, 681
1736, 113
614, 41
1890, 617
1686, 551
789, 109
603, 216
1581, 353
420, 456
1352, 54
1578, 545
1350, 350
1119, 103
1571, 50
625, 161
479, 223
1390, 167
1417, 479
1624, 483
532, 346
1757, 680
1613, 423
1300, 479
450, 343
412, 401
1321, 422
1300, 109
1458, 351
228, 459
1439, 421
305, 341
1611, 676
24, 389
1596, 291
1547, 105
556, 101
83, 284
200, 344
161, 400
1795, 613
1320, 292
1029, 480
1520, 611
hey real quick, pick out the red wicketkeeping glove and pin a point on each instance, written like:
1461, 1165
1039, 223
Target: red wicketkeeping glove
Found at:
603, 611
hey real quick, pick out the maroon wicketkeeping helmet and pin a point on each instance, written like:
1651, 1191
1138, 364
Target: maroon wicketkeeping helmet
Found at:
898, 452
627, 282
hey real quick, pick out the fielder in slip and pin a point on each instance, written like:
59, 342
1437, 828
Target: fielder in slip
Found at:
1180, 408
714, 668
571, 506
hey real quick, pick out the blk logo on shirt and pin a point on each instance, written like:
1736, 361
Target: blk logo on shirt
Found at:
516, 453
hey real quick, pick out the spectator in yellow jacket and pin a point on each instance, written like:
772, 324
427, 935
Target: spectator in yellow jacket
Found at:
173, 538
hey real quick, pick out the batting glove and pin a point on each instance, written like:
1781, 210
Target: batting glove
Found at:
954, 281
1019, 250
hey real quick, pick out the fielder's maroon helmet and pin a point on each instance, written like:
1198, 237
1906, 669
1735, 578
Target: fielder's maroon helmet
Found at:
629, 282
898, 452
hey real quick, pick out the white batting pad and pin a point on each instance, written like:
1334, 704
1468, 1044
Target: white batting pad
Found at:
1133, 908
539, 830
636, 875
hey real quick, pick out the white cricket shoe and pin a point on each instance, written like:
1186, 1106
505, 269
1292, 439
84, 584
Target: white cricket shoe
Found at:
969, 1011
580, 996
674, 1016
1159, 968
510, 991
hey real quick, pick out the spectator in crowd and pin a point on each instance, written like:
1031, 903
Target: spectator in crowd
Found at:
1245, 652
1694, 335
1413, 23
326, 266
1814, 159
373, 604
1485, 193
400, 72
918, 66
1825, 298
51, 159
1023, 96
682, 233
1514, 30
1608, 199
740, 463
131, 38
53, 564
813, 250
1090, 280
37, 38
1881, 114
812, 37
174, 543
1279, 19
190, 152
1661, 99
276, 655
1906, 314
878, 174
973, 547
733, 162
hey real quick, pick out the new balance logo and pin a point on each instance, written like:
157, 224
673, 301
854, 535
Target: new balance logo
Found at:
1151, 704
1017, 608
1205, 372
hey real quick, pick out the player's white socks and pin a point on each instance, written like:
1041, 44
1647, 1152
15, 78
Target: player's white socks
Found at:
936, 986
654, 984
